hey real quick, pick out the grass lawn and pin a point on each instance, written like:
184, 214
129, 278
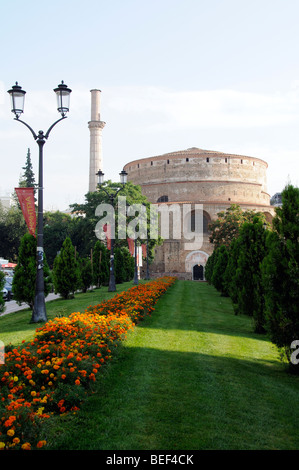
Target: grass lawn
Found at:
192, 376
16, 327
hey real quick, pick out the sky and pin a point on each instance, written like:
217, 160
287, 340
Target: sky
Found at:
219, 75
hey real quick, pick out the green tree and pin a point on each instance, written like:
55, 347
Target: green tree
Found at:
232, 284
280, 270
23, 285
12, 229
27, 179
100, 264
247, 280
66, 272
221, 260
85, 273
129, 265
227, 226
84, 235
57, 226
28, 175
209, 268
119, 268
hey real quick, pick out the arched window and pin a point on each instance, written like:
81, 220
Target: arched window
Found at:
205, 222
163, 199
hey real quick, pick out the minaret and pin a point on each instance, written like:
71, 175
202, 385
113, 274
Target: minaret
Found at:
95, 126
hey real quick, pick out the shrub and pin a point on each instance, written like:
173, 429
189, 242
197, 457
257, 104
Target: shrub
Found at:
24, 279
66, 272
280, 272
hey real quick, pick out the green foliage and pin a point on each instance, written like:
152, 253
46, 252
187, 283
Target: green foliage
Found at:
129, 264
220, 263
28, 175
210, 267
247, 280
84, 234
235, 266
280, 271
23, 285
57, 226
232, 283
85, 273
227, 226
123, 265
12, 229
100, 264
66, 272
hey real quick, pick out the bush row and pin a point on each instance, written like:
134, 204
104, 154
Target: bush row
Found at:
259, 270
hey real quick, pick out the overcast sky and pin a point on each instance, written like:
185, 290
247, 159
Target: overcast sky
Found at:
215, 74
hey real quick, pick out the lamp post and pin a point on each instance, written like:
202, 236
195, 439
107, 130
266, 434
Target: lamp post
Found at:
17, 96
136, 280
147, 277
123, 180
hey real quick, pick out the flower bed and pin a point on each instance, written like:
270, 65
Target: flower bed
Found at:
56, 370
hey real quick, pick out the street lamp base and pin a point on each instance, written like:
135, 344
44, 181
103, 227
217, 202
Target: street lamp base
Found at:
39, 313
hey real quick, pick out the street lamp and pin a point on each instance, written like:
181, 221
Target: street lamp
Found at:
136, 280
112, 196
147, 277
17, 96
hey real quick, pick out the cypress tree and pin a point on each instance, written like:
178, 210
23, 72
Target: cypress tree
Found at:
24, 279
100, 264
280, 271
252, 250
221, 260
66, 272
85, 273
28, 175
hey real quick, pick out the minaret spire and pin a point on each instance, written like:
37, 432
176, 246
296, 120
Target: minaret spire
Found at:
95, 126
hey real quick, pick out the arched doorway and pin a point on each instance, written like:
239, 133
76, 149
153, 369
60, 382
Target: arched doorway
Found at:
198, 272
195, 264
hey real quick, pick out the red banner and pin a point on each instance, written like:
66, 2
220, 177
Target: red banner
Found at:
131, 246
143, 251
26, 199
107, 230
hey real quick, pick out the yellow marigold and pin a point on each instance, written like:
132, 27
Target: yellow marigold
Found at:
33, 393
10, 432
16, 440
2, 445
26, 446
41, 444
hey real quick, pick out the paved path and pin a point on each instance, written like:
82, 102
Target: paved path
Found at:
12, 305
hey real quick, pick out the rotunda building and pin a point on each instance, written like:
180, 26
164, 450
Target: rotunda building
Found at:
189, 188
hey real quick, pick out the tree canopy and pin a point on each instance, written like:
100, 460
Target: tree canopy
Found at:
227, 226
